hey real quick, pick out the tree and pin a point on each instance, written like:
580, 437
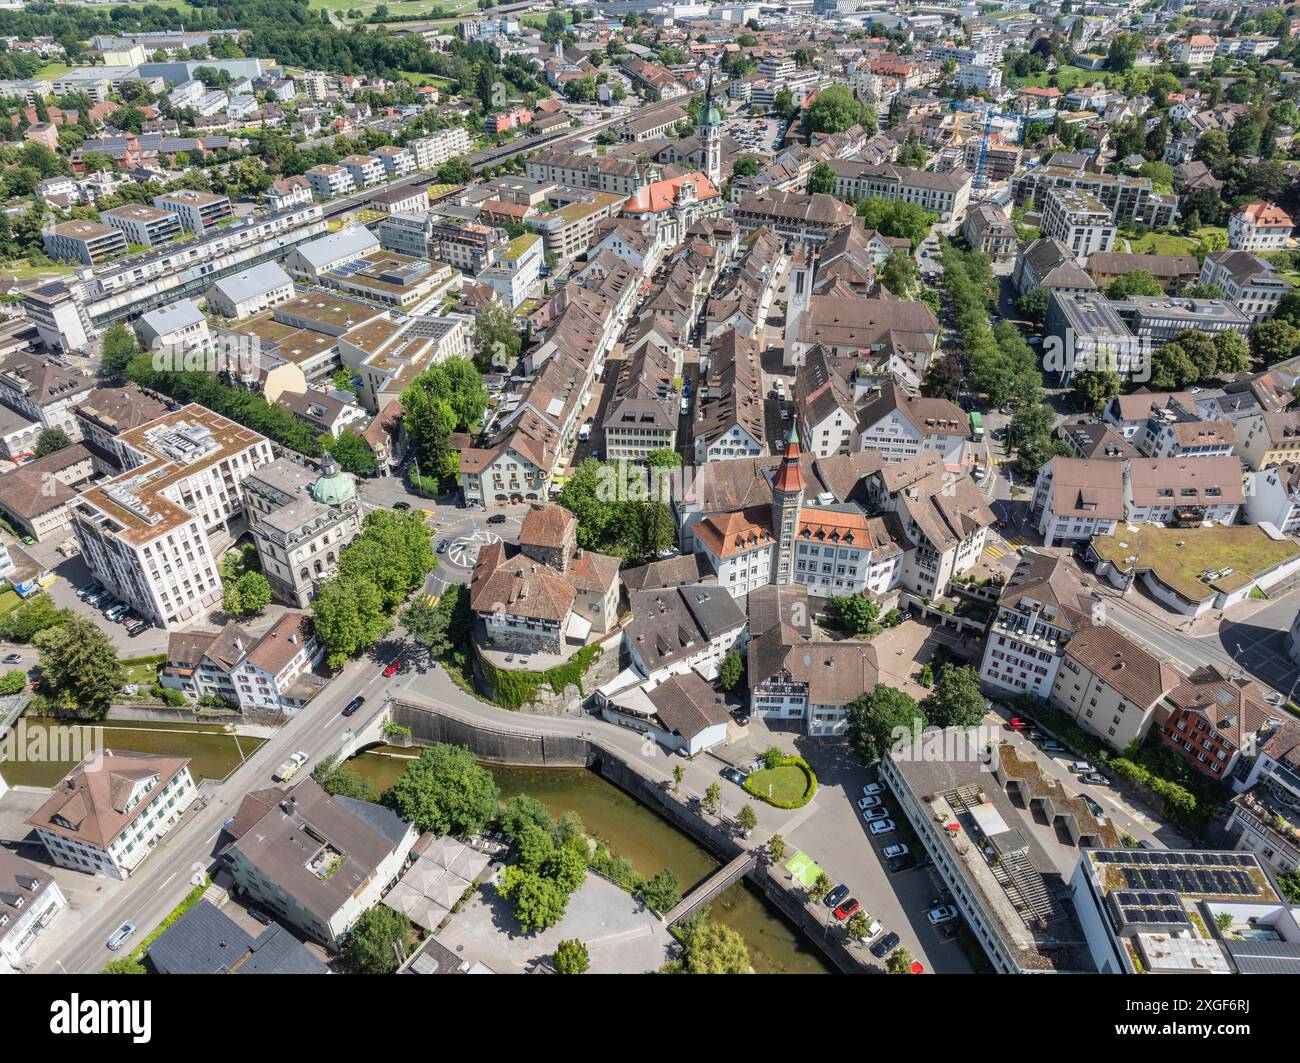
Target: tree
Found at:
377, 942
711, 797
899, 273
349, 616
716, 949
336, 778
32, 616
1033, 304
51, 440
679, 773
536, 902
571, 957
942, 379
776, 848
833, 111
1136, 282
117, 349
352, 452
746, 166
731, 670
821, 886
663, 891
858, 925
956, 700
1273, 341
446, 791
522, 811
747, 820
428, 625
13, 682
1093, 388
822, 179
79, 663
1232, 352
533, 847
857, 613
123, 965
877, 717
1124, 50
899, 962
1171, 368
246, 596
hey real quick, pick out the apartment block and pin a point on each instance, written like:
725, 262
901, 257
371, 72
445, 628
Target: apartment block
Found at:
198, 211
142, 224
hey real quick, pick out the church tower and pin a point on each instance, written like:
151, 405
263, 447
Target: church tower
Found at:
711, 137
787, 501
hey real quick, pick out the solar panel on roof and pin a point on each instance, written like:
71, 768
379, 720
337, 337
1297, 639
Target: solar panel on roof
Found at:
1126, 898
1172, 915
1166, 897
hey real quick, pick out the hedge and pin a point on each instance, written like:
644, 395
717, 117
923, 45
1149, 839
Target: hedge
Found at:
809, 790
515, 689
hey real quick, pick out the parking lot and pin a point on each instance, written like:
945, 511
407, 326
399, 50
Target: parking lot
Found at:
755, 134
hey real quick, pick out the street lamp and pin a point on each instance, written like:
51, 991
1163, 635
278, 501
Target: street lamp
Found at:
230, 729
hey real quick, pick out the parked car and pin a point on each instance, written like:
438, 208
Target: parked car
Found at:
890, 851
1051, 745
1093, 807
944, 913
873, 814
885, 945
1096, 778
351, 707
899, 864
401, 505
873, 928
1019, 723
290, 767
390, 669
847, 909
497, 518
119, 936
872, 789
261, 916
14, 658
1082, 767
733, 775
882, 826
836, 895
869, 802
136, 629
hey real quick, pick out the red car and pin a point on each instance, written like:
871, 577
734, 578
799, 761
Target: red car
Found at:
917, 968
1019, 723
392, 667
847, 909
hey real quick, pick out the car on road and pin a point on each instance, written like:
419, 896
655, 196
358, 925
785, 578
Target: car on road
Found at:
351, 707
847, 909
733, 775
497, 518
885, 945
1020, 723
1082, 767
1093, 807
120, 935
290, 767
836, 895
882, 826
390, 669
442, 546
14, 658
873, 814
979, 472
899, 864
873, 788
890, 851
944, 913
869, 802
1096, 778
401, 505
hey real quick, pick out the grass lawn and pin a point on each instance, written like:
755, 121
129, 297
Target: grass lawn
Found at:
144, 674
1067, 78
1247, 550
1162, 244
803, 869
786, 783
417, 79
9, 601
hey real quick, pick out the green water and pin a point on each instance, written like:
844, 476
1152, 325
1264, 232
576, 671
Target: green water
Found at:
43, 750
648, 843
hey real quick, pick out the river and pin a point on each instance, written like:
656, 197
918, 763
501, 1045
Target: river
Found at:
647, 842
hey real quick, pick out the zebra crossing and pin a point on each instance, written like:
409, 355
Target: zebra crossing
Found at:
1002, 545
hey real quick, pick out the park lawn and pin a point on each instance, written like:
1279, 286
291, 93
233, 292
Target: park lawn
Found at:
9, 601
1246, 549
1067, 78
1163, 244
788, 783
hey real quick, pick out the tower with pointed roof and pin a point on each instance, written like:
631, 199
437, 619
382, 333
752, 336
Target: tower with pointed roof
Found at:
787, 500
711, 137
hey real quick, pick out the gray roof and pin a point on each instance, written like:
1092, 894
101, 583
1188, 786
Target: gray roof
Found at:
384, 820
354, 241
169, 318
252, 282
206, 941
1264, 957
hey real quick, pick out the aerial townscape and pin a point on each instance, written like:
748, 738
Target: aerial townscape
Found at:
632, 487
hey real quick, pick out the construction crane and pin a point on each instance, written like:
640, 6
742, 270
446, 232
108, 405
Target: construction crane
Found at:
989, 114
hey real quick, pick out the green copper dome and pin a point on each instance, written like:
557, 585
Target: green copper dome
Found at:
334, 486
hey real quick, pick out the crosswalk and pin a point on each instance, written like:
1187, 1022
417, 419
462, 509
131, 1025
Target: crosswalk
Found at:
1000, 546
